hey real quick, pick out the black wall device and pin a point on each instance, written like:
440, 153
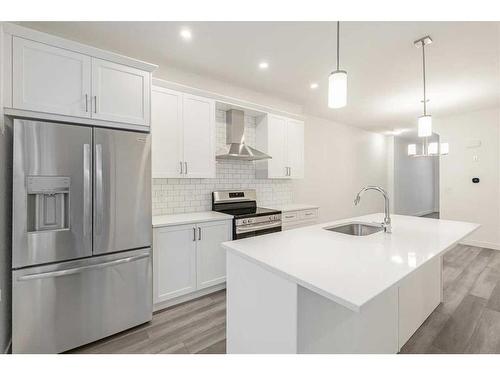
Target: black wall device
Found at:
475, 180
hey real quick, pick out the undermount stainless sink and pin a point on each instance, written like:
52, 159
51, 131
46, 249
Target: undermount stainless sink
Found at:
356, 228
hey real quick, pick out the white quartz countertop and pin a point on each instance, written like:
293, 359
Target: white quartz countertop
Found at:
347, 269
293, 207
188, 218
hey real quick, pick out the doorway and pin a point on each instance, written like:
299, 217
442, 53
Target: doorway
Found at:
416, 177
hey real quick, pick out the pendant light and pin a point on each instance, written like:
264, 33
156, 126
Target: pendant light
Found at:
337, 82
424, 121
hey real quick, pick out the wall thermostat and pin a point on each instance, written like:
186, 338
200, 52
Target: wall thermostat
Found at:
475, 180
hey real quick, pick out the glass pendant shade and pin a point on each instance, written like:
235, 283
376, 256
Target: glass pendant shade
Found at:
432, 149
412, 149
445, 148
337, 89
425, 126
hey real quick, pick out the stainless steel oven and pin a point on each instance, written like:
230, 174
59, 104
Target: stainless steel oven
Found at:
249, 220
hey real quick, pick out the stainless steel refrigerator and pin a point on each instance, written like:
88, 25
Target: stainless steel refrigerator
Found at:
81, 234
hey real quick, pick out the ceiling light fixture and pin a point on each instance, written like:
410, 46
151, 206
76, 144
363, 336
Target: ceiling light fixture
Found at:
337, 82
424, 121
428, 148
186, 34
263, 65
313, 85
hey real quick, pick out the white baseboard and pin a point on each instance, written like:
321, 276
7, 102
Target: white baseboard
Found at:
187, 297
485, 244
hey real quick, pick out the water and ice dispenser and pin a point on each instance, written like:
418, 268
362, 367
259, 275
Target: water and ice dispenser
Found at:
48, 203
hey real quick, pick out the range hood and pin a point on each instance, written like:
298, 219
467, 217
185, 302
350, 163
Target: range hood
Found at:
238, 150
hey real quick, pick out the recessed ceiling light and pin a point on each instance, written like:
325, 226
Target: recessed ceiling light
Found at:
313, 85
186, 34
263, 65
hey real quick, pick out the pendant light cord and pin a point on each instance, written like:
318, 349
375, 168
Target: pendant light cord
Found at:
338, 44
423, 69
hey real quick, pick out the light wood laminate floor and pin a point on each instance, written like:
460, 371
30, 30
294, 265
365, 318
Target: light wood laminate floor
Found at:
468, 321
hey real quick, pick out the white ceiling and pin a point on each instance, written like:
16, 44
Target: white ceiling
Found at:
385, 84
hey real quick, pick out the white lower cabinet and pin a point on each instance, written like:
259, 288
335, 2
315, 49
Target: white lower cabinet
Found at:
174, 261
188, 258
210, 256
299, 218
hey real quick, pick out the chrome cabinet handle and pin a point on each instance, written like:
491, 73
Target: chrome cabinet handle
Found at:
72, 271
290, 171
194, 234
86, 189
86, 102
199, 234
98, 188
95, 103
186, 167
181, 172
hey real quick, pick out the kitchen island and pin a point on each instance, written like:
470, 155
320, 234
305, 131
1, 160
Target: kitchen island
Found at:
311, 290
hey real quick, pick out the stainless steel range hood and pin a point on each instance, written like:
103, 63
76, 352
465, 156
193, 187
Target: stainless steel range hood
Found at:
235, 138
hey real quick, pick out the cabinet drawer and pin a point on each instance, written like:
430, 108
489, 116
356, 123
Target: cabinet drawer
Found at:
308, 214
289, 216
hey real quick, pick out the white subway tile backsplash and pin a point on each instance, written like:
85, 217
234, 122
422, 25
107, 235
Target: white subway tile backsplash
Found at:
174, 195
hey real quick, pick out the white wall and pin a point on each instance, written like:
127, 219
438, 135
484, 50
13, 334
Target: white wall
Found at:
460, 199
415, 189
339, 161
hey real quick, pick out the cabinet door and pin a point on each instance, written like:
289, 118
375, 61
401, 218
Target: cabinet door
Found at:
120, 93
211, 257
166, 130
277, 134
174, 262
199, 136
50, 79
295, 148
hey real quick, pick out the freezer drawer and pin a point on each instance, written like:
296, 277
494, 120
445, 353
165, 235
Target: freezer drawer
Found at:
62, 306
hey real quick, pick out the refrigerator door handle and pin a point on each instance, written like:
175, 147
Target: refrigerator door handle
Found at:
98, 188
87, 219
72, 271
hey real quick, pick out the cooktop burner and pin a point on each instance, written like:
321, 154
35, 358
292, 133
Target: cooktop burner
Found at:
241, 213
240, 204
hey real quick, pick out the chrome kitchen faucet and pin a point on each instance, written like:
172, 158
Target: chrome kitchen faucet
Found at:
387, 219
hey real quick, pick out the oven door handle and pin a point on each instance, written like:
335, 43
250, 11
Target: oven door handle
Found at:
254, 228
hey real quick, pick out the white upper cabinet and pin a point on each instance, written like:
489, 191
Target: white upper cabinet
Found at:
276, 148
50, 79
120, 93
63, 80
199, 136
183, 128
167, 133
295, 148
283, 139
